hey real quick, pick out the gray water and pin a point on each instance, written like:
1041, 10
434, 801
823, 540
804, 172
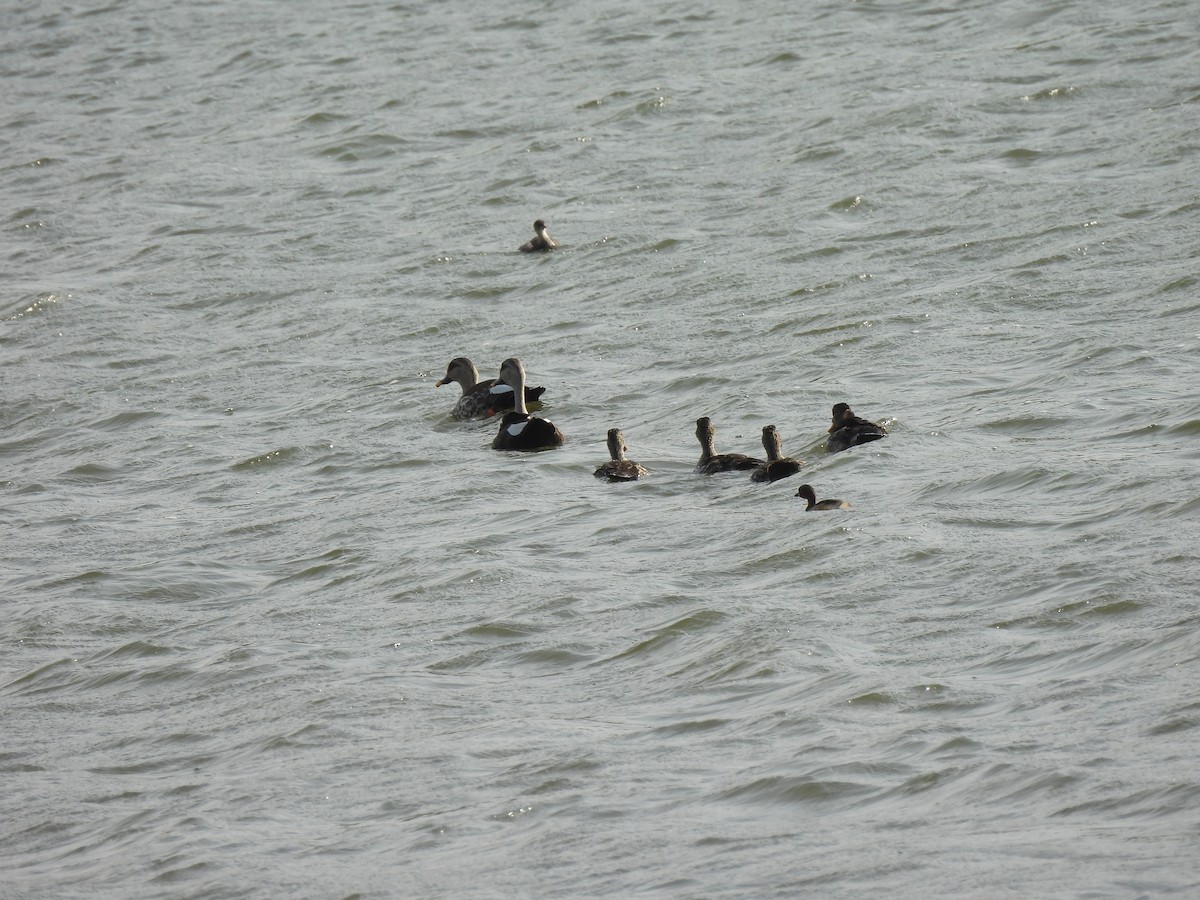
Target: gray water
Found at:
275, 625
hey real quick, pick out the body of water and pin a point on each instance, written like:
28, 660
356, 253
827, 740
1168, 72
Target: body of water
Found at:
274, 624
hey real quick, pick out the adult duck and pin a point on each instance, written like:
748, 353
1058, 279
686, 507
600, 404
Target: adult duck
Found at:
481, 398
711, 462
540, 241
777, 466
849, 430
806, 491
518, 429
619, 468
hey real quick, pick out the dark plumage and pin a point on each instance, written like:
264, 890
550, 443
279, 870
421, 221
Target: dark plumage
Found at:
540, 241
481, 398
619, 468
711, 461
518, 429
806, 491
777, 466
848, 430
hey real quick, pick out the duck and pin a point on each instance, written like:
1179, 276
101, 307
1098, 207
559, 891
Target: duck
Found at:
848, 430
712, 462
540, 241
806, 491
481, 399
619, 468
518, 429
777, 466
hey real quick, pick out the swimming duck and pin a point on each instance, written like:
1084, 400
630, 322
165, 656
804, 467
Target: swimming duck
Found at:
619, 468
481, 398
540, 241
777, 466
518, 429
806, 491
848, 430
711, 461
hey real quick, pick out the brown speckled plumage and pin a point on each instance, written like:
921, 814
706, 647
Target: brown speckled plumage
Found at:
619, 468
777, 466
711, 462
481, 398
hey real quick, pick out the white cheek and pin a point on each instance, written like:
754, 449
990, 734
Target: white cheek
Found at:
516, 428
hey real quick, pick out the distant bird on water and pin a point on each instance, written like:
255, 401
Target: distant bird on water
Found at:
619, 468
778, 466
540, 241
712, 462
806, 491
848, 430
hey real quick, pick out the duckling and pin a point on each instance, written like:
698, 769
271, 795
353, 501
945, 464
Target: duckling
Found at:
619, 468
481, 398
711, 461
848, 430
540, 241
806, 491
777, 466
518, 429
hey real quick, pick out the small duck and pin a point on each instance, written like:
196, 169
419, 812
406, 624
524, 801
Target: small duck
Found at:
712, 462
540, 241
777, 466
481, 398
518, 429
806, 491
848, 430
619, 468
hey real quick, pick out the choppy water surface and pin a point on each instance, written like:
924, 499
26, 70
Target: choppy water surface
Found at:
276, 625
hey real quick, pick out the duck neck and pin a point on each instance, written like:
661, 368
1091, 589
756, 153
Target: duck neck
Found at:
614, 447
772, 444
468, 378
518, 386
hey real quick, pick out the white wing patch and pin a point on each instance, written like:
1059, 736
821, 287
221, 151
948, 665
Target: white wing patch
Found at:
516, 428
500, 389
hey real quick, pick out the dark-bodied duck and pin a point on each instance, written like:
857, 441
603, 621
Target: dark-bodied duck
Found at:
806, 491
777, 466
619, 468
481, 398
848, 430
712, 462
518, 429
540, 241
